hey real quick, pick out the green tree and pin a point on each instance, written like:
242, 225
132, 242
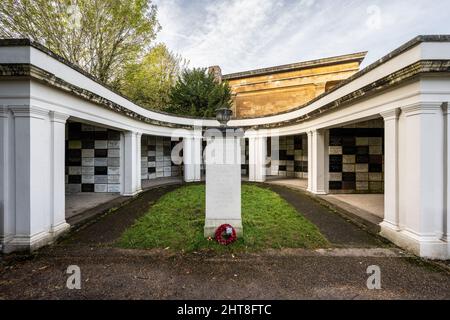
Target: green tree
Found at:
148, 82
197, 93
100, 36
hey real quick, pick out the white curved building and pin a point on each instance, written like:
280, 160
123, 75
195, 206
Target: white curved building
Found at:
384, 129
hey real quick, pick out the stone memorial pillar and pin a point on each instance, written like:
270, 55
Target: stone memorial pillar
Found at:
223, 180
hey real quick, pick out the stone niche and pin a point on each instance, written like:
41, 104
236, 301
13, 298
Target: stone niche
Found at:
288, 156
92, 159
356, 156
156, 161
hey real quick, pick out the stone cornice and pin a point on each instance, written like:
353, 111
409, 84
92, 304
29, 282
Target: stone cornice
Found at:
33, 72
30, 43
27, 111
396, 78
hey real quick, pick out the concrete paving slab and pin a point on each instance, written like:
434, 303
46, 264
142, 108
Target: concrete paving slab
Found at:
371, 203
77, 203
147, 184
300, 184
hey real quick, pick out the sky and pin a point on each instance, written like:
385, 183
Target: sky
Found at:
240, 35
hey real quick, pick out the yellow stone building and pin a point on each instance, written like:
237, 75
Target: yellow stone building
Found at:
273, 90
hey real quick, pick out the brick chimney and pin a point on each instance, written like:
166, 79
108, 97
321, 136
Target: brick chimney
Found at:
217, 72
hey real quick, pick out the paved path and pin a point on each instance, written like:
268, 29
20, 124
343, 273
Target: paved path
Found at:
372, 203
336, 229
107, 272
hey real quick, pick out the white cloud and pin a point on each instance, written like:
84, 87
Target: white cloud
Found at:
246, 34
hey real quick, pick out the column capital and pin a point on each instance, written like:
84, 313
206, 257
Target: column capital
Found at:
3, 111
28, 111
445, 108
422, 108
131, 133
56, 116
392, 114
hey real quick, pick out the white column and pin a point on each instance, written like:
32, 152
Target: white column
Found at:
131, 163
391, 172
6, 231
447, 176
257, 158
192, 158
138, 161
319, 159
32, 178
421, 182
310, 162
57, 191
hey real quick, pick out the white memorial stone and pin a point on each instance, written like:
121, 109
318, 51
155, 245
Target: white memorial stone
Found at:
223, 182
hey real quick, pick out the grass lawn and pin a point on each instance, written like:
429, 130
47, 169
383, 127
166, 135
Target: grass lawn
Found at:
176, 221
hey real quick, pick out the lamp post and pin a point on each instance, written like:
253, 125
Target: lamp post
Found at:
223, 115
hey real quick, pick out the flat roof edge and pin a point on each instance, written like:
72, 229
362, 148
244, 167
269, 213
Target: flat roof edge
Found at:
359, 57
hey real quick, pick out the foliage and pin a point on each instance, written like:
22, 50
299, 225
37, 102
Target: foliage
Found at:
100, 36
176, 221
197, 93
148, 82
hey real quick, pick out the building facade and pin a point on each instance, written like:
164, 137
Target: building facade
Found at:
267, 91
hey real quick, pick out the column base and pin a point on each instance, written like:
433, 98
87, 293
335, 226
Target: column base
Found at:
211, 226
30, 243
319, 192
59, 229
257, 180
27, 243
132, 194
4, 240
389, 226
425, 246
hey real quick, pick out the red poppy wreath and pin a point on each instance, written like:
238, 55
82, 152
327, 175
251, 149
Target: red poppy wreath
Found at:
225, 234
